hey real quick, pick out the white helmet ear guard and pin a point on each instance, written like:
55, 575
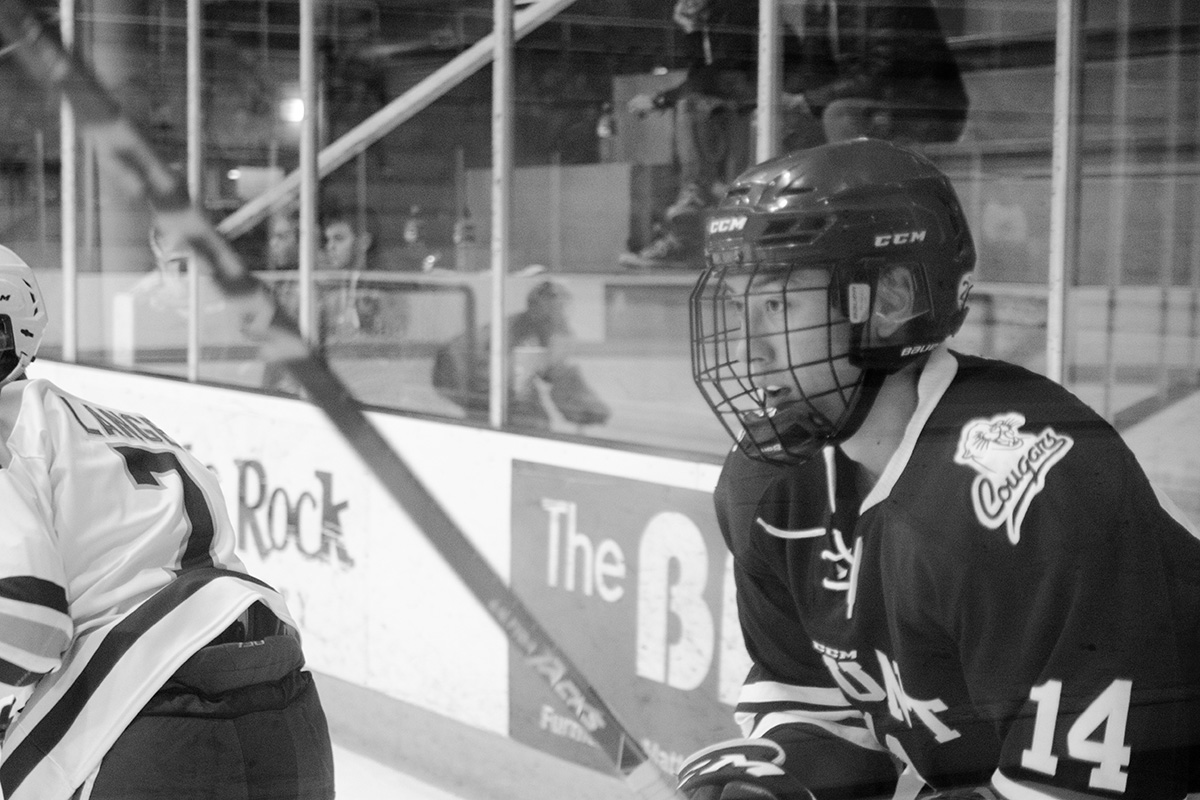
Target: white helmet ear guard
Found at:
23, 316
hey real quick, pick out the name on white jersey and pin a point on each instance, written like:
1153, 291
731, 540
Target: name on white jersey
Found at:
106, 423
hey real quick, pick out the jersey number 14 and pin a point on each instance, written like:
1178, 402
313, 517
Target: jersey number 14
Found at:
1109, 752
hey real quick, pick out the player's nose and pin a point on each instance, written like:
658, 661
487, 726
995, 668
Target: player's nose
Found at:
755, 350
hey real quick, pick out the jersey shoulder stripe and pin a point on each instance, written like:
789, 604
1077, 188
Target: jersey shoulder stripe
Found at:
30, 649
764, 706
849, 726
35, 591
778, 692
37, 628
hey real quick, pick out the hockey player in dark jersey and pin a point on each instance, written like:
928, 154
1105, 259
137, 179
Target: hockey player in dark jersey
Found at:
953, 577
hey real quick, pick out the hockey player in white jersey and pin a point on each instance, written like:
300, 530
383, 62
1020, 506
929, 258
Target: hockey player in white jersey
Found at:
142, 660
952, 575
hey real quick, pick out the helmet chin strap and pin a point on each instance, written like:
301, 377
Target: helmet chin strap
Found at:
860, 406
789, 446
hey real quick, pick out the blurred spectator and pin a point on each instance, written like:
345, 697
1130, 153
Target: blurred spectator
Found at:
349, 238
606, 132
347, 310
420, 251
877, 69
539, 340
162, 303
283, 239
166, 287
851, 68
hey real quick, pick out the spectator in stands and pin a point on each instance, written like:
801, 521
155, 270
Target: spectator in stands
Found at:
350, 237
420, 253
283, 239
882, 70
878, 68
345, 311
166, 287
283, 253
539, 341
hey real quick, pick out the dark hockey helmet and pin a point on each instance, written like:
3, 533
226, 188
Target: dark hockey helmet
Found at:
22, 315
846, 223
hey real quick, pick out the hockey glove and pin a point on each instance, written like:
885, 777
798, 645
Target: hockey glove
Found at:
740, 769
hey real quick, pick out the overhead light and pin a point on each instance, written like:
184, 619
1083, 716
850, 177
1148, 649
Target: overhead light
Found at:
291, 109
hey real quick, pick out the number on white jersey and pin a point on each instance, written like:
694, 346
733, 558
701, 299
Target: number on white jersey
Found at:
143, 466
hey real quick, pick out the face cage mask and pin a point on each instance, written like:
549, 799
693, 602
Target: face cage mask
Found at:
788, 406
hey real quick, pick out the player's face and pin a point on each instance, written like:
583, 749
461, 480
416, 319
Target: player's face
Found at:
340, 245
791, 345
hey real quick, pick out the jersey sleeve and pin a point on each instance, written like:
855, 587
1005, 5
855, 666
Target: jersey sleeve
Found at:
1082, 638
35, 626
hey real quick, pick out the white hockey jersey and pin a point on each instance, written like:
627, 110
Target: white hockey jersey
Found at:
117, 563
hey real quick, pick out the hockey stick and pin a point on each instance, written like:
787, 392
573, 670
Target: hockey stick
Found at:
182, 224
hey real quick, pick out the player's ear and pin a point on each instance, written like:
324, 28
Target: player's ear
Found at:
895, 294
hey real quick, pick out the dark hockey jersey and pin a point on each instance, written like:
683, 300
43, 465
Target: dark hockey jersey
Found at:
1011, 604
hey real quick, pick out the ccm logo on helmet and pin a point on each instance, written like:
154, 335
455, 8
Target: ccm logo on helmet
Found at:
726, 224
905, 237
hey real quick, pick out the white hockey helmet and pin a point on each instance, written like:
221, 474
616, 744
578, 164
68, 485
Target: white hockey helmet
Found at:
22, 315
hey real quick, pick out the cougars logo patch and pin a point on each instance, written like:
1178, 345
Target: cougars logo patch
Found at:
1012, 467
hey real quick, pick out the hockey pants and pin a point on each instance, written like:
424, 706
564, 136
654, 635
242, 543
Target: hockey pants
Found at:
240, 720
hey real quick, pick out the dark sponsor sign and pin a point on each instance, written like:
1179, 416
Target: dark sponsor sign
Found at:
632, 581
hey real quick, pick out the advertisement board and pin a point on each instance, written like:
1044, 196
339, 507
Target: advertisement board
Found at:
634, 583
375, 604
617, 554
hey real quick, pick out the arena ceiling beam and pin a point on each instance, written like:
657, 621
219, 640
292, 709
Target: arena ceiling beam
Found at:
383, 121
